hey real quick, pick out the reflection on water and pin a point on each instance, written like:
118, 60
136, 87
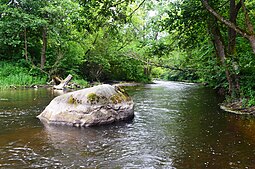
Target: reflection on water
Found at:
175, 126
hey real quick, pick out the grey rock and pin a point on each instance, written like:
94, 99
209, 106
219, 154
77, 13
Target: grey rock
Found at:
98, 105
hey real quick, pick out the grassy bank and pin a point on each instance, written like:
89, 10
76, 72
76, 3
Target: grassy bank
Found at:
15, 74
20, 75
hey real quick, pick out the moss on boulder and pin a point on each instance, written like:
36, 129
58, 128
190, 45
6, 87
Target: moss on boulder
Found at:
98, 105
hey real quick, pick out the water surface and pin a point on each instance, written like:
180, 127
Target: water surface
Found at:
176, 125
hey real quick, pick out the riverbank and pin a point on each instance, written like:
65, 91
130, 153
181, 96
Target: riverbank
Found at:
75, 84
13, 75
237, 107
16, 75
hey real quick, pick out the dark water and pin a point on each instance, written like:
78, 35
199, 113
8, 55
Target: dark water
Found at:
175, 126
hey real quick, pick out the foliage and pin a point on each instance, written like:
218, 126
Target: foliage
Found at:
83, 38
128, 40
158, 72
81, 82
16, 74
194, 29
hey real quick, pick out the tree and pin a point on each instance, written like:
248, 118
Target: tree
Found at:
248, 33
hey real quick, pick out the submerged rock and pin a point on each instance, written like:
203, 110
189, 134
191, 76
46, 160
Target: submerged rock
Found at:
98, 105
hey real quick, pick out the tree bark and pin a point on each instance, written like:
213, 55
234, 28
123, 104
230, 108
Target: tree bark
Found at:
252, 42
249, 26
44, 46
220, 52
25, 44
233, 12
225, 21
246, 34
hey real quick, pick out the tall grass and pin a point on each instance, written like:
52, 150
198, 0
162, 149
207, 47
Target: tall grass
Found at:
12, 74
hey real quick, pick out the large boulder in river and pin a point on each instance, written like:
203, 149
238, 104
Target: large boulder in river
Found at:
98, 105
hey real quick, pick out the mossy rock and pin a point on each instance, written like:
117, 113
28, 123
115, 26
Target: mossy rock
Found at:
98, 105
93, 98
73, 100
120, 96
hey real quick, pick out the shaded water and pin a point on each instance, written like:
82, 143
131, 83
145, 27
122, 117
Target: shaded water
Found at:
175, 126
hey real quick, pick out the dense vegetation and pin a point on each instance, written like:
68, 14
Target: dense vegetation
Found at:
91, 40
183, 40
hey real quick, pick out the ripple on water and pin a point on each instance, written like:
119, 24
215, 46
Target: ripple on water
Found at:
175, 126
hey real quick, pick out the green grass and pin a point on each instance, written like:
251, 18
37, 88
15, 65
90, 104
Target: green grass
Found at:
12, 74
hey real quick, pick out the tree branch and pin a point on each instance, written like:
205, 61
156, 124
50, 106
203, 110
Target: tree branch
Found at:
225, 21
247, 18
238, 6
137, 8
133, 56
94, 42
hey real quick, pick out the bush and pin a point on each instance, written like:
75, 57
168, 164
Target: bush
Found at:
82, 82
14, 74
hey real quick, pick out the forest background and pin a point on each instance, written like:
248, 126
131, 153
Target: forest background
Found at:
130, 40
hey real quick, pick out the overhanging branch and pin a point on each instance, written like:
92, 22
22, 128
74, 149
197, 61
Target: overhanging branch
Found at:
158, 65
225, 21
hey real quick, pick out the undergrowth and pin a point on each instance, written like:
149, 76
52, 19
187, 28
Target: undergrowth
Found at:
13, 74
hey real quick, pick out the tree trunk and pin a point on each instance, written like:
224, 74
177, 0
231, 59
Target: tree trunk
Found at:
224, 21
249, 26
233, 11
220, 52
252, 42
25, 44
44, 46
250, 35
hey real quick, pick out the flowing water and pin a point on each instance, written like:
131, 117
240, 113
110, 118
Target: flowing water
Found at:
176, 125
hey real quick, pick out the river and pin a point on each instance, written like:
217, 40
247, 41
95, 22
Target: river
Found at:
176, 126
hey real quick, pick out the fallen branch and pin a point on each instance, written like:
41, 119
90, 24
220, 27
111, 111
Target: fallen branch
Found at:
63, 83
